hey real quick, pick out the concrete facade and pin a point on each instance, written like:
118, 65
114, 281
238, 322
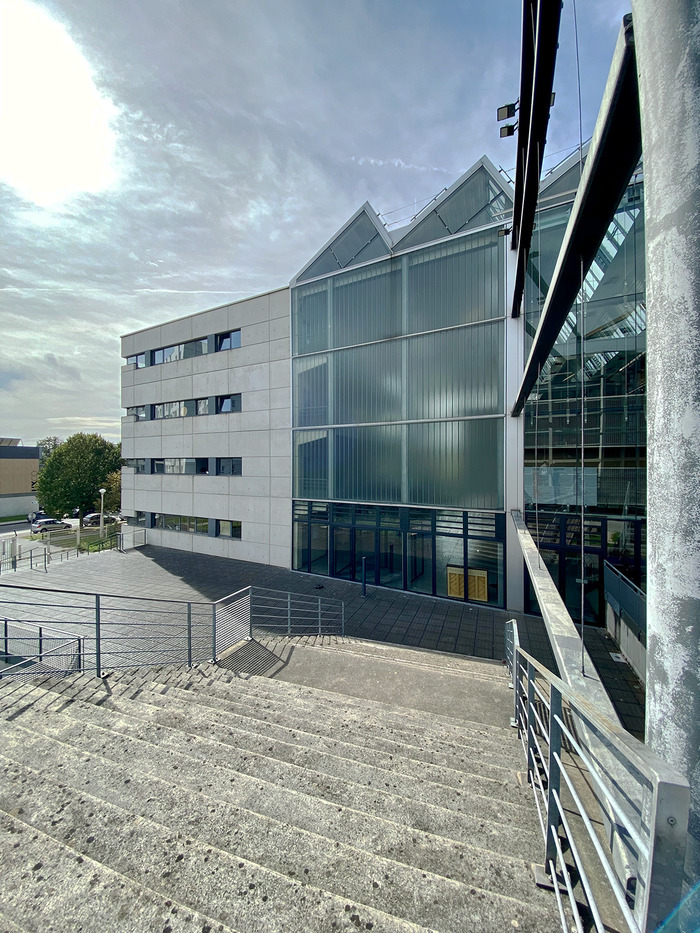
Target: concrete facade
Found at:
260, 497
668, 63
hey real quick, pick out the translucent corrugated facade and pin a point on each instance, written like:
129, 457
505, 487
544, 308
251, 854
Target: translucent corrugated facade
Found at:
413, 347
399, 406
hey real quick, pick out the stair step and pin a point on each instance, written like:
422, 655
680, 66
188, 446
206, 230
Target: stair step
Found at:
84, 718
439, 661
210, 717
282, 709
175, 854
50, 886
492, 825
306, 707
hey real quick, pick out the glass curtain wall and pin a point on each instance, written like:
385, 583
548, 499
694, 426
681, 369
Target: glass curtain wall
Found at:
449, 553
398, 399
596, 374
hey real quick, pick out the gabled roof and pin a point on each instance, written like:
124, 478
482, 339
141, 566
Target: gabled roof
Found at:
477, 198
362, 238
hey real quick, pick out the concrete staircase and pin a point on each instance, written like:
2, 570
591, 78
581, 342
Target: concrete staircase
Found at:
206, 800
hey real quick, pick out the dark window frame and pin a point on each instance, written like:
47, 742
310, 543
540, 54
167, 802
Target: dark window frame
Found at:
228, 340
229, 404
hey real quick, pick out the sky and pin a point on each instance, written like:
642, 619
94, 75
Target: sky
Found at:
162, 157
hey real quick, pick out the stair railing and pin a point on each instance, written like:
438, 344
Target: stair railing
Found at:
127, 631
650, 806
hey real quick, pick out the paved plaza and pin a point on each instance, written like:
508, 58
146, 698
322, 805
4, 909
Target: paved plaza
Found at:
383, 615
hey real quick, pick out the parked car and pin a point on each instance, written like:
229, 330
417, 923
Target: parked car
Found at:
48, 524
35, 516
93, 518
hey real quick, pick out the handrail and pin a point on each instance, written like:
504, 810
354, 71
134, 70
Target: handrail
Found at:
626, 580
654, 822
12, 669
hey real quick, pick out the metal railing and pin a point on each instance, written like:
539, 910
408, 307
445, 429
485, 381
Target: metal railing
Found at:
24, 645
569, 749
624, 595
57, 548
254, 609
127, 632
293, 614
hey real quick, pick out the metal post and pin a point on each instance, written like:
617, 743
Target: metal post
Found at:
530, 722
41, 642
553, 785
7, 652
515, 677
98, 646
80, 654
189, 634
31, 566
664, 811
342, 619
45, 567
289, 613
213, 633
364, 576
319, 615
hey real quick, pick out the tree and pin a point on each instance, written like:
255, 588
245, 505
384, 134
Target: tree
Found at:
72, 475
47, 445
113, 496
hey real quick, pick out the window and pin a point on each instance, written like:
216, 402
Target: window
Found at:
186, 523
230, 340
138, 360
138, 466
187, 465
227, 529
229, 466
138, 412
195, 348
225, 404
187, 409
180, 351
139, 519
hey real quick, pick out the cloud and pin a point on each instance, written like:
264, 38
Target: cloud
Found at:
56, 127
244, 135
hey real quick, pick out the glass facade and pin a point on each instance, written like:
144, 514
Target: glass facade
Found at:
595, 372
446, 553
398, 401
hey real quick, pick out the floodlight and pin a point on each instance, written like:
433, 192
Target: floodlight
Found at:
507, 112
508, 130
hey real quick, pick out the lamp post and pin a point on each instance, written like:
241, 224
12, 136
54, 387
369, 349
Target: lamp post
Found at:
102, 492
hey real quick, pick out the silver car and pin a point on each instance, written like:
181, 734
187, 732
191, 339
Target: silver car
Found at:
48, 524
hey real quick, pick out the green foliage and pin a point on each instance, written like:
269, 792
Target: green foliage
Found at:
47, 445
72, 475
113, 496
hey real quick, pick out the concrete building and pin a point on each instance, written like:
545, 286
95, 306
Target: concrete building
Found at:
206, 431
401, 458
391, 450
